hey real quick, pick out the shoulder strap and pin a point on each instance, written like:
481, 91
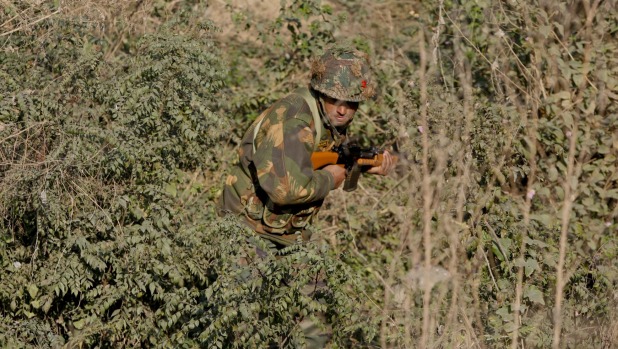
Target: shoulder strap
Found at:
317, 121
257, 129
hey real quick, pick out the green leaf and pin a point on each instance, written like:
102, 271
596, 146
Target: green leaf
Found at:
170, 188
568, 119
510, 327
79, 324
534, 294
33, 290
545, 30
612, 193
531, 266
48, 304
553, 173
539, 243
563, 95
544, 219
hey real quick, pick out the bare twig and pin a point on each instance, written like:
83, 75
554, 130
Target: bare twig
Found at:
481, 54
570, 184
22, 27
426, 187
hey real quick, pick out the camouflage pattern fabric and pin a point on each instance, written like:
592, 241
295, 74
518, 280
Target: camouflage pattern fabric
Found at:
343, 73
276, 191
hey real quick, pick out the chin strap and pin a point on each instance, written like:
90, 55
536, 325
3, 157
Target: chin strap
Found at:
335, 132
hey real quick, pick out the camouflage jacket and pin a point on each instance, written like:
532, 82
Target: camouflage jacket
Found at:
275, 190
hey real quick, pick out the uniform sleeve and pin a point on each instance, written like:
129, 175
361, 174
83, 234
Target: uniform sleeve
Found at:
283, 161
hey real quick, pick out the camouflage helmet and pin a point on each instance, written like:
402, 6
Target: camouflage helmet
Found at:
343, 73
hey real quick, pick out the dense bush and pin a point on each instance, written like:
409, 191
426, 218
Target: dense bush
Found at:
108, 234
94, 154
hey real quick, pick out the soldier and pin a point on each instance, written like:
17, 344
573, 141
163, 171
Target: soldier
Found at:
274, 187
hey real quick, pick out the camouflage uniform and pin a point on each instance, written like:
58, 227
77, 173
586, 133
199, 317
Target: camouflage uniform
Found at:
274, 187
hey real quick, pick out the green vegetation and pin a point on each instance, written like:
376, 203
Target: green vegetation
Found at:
118, 121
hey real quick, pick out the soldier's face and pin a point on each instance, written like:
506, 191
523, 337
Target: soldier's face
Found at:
340, 113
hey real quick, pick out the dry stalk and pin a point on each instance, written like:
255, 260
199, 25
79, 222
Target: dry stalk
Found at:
426, 186
464, 165
570, 183
29, 23
532, 127
485, 58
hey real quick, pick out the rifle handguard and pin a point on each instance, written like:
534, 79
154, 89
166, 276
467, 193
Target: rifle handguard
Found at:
321, 159
353, 161
376, 161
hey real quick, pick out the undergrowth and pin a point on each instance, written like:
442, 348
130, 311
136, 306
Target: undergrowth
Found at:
498, 228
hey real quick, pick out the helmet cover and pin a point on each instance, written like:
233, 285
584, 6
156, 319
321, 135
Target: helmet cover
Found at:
343, 73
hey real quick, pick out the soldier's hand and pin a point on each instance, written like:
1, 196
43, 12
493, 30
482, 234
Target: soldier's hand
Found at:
388, 164
338, 173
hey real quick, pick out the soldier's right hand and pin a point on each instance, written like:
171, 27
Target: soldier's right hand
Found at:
338, 173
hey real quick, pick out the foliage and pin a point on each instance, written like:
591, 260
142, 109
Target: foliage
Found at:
109, 236
497, 230
275, 60
92, 240
506, 123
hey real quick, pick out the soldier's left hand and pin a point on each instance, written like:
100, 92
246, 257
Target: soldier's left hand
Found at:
388, 164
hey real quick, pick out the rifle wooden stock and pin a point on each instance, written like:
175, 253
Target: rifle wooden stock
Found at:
323, 158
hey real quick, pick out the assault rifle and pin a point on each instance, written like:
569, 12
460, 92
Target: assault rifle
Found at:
351, 156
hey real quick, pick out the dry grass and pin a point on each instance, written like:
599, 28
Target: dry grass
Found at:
257, 12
